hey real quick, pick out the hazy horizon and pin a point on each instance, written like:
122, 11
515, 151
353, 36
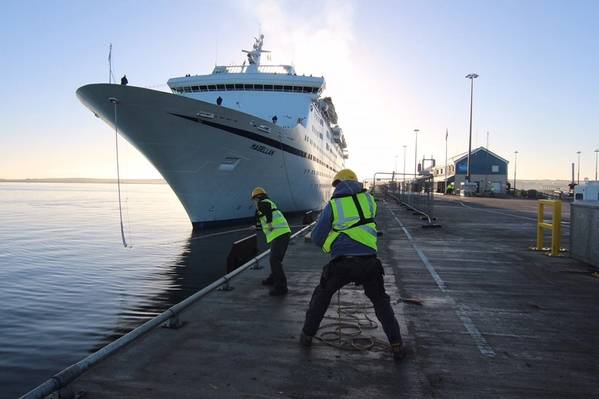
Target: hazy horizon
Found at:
391, 67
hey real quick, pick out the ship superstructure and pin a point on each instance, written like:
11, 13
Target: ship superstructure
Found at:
219, 135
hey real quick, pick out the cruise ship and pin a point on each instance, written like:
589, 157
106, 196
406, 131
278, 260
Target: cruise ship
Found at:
215, 137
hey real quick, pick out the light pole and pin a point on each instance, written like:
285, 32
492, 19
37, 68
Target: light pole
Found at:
404, 162
470, 76
416, 154
445, 168
578, 172
515, 166
596, 162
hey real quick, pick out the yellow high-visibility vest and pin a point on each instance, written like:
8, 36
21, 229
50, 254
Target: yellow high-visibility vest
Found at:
353, 215
279, 223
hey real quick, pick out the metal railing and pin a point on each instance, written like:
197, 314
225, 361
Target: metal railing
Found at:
170, 316
414, 192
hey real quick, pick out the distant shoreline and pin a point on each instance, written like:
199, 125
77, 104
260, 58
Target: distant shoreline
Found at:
85, 180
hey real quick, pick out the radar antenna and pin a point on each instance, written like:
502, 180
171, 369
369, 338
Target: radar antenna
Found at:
254, 54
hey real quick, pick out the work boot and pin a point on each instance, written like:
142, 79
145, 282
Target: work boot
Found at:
268, 281
278, 291
305, 340
399, 351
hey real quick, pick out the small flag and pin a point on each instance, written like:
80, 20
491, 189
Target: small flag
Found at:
446, 133
110, 53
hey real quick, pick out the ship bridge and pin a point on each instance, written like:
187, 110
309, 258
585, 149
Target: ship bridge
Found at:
271, 92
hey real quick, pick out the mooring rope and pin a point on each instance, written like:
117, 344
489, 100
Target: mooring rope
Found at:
347, 332
118, 172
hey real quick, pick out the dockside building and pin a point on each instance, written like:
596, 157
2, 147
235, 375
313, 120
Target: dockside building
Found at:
487, 169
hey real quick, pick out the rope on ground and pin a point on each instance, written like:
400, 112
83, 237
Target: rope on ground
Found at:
347, 332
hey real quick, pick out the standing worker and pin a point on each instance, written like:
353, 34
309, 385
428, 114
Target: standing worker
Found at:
277, 233
346, 229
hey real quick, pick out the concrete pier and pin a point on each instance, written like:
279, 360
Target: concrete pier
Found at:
495, 320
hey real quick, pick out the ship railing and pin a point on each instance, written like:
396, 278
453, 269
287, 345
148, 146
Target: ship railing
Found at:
285, 69
168, 318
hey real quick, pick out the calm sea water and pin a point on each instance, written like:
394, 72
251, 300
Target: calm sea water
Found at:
68, 286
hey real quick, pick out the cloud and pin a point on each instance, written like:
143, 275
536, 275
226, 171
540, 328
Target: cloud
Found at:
321, 39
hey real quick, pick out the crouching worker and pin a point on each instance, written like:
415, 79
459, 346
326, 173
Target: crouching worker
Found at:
346, 229
277, 233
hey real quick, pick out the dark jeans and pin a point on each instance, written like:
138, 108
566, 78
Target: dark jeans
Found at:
365, 271
278, 247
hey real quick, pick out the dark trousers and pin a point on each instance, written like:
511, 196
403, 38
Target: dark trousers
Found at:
365, 271
278, 247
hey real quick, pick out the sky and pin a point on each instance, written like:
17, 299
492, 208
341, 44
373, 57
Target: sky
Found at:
390, 66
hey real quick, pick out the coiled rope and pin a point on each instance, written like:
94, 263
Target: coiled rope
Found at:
347, 332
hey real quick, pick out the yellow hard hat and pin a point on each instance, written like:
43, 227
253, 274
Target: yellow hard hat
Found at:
344, 174
257, 191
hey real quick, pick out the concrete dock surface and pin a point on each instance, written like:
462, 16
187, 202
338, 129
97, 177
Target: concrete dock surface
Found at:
495, 320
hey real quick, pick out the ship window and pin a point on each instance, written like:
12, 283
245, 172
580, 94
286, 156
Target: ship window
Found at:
238, 86
278, 88
307, 89
195, 88
315, 90
258, 87
221, 87
248, 87
287, 88
187, 89
268, 87
203, 88
212, 88
297, 89
230, 87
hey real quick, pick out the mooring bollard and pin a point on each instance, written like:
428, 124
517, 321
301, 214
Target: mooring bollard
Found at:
555, 227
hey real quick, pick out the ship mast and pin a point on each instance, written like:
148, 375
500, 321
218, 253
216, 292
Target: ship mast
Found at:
254, 54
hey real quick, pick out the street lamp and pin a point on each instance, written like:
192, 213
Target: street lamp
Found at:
596, 162
578, 172
416, 154
515, 166
404, 162
471, 76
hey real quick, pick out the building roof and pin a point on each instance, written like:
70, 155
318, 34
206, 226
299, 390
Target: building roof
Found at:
460, 157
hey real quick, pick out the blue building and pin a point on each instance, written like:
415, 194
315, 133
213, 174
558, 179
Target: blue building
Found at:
487, 169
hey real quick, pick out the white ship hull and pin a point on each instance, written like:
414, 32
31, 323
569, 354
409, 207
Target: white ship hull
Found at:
213, 156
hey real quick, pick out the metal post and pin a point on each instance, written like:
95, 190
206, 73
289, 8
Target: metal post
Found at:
404, 163
556, 225
515, 167
596, 162
445, 187
416, 154
578, 172
540, 221
471, 76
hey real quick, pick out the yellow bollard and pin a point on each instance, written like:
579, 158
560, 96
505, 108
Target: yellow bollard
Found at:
555, 227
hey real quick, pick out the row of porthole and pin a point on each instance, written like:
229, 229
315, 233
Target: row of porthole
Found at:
245, 87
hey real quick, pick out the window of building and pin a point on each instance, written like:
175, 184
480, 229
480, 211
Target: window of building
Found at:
495, 168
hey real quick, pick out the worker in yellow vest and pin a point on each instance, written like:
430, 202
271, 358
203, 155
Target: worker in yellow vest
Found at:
277, 233
347, 230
